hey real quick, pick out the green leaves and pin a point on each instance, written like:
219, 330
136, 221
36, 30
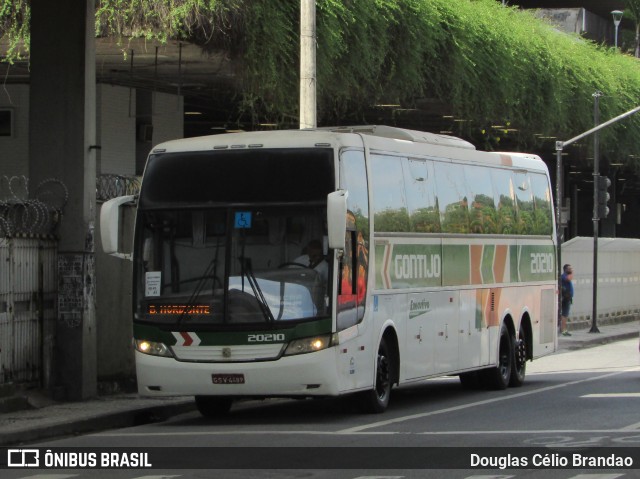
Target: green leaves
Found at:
490, 63
14, 26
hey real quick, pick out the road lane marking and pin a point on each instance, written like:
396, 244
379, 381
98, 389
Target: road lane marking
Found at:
470, 405
612, 395
628, 369
51, 476
237, 433
631, 427
363, 433
596, 476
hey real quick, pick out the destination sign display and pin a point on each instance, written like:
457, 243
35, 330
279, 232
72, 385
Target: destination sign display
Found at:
179, 309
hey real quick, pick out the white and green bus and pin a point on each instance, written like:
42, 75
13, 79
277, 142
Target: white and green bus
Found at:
437, 260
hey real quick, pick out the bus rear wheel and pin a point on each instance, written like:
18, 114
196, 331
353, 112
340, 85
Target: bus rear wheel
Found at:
213, 406
376, 400
499, 376
519, 359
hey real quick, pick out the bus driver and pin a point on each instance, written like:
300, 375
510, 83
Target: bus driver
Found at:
314, 259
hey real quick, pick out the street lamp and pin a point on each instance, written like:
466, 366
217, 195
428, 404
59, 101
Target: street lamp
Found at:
617, 17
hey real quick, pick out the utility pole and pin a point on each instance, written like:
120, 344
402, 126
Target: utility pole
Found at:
308, 64
596, 215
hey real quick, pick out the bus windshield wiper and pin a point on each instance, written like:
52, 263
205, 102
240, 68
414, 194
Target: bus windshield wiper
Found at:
255, 287
209, 272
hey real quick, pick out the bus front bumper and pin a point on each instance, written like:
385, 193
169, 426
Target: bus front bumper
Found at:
312, 374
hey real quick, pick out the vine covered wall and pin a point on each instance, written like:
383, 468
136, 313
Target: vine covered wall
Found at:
491, 64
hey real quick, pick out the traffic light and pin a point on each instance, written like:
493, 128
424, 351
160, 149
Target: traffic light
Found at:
603, 196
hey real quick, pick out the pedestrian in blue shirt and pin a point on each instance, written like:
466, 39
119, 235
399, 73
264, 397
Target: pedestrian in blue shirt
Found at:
567, 297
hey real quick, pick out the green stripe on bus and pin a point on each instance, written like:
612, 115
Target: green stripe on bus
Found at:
488, 256
400, 266
456, 265
223, 338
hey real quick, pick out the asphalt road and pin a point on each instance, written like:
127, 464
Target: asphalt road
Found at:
583, 402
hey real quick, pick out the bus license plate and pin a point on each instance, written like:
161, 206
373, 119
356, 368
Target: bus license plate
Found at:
227, 378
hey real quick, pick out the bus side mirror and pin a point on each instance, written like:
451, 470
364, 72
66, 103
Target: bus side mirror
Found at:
337, 218
110, 225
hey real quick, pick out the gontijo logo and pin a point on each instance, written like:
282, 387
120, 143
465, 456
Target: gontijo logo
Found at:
408, 265
419, 266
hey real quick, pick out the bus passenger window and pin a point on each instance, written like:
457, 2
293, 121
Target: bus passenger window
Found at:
524, 199
482, 208
389, 202
452, 198
543, 213
503, 187
420, 187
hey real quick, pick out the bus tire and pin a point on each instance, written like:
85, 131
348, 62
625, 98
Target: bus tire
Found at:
376, 400
519, 368
213, 406
498, 377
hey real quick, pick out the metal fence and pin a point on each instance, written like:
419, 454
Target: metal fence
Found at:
28, 289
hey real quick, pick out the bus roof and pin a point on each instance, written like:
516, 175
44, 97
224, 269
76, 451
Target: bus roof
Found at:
376, 137
404, 134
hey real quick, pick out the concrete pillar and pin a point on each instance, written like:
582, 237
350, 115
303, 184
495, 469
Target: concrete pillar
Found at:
63, 145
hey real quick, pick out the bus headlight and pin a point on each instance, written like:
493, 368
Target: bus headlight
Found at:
308, 345
152, 348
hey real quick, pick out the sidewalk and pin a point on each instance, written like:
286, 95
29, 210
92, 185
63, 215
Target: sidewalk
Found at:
582, 338
48, 419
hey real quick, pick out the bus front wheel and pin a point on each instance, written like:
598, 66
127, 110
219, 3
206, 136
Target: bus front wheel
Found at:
376, 400
213, 406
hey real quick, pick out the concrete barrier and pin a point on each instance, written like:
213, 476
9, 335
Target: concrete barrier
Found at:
618, 282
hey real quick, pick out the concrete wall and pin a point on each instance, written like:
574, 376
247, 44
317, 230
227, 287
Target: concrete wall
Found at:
114, 309
116, 130
618, 277
14, 151
168, 117
116, 125
581, 22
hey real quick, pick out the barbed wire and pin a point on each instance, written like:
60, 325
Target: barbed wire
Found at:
40, 215
112, 186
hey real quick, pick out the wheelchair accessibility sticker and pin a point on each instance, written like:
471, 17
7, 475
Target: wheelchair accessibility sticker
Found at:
243, 219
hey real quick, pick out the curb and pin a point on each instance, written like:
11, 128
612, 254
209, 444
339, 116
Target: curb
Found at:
572, 345
114, 420
579, 324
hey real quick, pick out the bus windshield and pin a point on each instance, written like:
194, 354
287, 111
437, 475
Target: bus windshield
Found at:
227, 266
221, 241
